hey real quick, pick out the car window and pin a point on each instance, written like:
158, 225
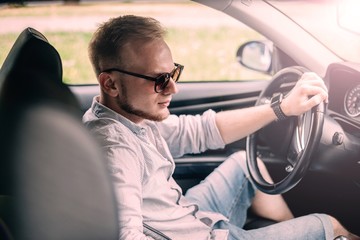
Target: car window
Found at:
202, 39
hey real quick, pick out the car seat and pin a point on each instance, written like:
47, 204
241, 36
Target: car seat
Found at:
53, 179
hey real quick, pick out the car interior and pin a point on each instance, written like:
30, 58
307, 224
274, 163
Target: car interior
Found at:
53, 179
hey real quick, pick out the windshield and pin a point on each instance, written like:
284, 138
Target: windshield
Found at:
335, 23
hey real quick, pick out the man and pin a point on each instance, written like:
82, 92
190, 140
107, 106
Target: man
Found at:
137, 78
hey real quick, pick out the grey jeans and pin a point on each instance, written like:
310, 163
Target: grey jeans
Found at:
229, 191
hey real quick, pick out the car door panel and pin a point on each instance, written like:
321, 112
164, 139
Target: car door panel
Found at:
197, 97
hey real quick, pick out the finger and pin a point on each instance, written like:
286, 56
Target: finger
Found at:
313, 87
313, 79
316, 95
314, 90
314, 101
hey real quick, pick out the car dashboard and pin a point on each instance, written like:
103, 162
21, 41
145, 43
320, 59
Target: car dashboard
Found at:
339, 149
344, 96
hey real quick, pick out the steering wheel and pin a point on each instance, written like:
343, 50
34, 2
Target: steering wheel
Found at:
293, 140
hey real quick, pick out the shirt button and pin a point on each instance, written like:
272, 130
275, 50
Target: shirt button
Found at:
142, 132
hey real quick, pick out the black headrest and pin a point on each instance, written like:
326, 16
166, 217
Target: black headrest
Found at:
32, 52
31, 73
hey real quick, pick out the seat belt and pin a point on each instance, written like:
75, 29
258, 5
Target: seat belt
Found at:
154, 233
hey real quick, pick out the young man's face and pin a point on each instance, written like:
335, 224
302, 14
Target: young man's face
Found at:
137, 99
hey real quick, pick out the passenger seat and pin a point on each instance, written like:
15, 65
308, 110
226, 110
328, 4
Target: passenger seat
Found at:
53, 180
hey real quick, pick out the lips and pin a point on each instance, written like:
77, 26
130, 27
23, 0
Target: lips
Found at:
165, 103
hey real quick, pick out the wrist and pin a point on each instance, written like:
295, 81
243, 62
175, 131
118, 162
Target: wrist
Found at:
276, 107
284, 108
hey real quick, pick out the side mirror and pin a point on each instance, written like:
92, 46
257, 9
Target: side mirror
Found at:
255, 55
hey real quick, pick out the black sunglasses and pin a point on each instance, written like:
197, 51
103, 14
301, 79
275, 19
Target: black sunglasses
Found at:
161, 81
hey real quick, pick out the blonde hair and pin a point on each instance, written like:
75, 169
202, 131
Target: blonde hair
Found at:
111, 37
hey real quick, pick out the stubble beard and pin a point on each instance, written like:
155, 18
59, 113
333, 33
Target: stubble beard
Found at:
125, 105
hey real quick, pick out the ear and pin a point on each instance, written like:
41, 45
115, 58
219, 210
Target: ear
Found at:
108, 85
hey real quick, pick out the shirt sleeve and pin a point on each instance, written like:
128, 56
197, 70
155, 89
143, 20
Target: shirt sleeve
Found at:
126, 170
191, 134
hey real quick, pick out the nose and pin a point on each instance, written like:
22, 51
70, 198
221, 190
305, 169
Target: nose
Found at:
171, 87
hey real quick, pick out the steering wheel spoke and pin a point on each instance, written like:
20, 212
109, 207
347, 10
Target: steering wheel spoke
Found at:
298, 141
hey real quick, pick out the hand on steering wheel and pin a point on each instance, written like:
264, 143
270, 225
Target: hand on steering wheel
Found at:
309, 91
305, 97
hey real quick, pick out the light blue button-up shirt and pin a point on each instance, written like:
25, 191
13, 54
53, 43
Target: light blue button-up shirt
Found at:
140, 159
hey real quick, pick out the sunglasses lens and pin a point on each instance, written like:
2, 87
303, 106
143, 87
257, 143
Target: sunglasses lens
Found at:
175, 74
161, 82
